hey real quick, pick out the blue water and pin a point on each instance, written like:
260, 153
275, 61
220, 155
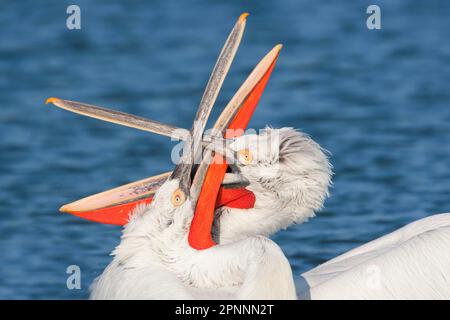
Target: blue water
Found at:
379, 100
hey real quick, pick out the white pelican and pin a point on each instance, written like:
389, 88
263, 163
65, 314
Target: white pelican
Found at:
410, 263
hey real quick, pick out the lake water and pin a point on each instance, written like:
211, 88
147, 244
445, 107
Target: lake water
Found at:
378, 100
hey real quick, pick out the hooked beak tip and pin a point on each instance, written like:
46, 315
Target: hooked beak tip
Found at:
243, 16
52, 100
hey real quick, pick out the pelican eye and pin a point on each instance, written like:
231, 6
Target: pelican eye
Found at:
178, 198
245, 156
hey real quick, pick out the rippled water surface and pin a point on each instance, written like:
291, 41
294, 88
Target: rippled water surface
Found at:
379, 101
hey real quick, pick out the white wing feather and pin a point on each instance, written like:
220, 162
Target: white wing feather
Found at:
412, 262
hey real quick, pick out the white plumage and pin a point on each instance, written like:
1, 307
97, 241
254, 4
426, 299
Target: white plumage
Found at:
155, 261
412, 262
289, 174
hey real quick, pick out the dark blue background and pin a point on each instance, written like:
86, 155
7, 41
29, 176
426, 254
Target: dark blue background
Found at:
378, 100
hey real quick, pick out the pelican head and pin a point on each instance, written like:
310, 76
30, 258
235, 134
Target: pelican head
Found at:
289, 174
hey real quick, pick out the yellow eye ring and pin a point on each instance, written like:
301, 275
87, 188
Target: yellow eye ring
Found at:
178, 198
245, 156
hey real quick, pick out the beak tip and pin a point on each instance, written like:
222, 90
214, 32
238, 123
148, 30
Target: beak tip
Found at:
64, 209
243, 16
52, 100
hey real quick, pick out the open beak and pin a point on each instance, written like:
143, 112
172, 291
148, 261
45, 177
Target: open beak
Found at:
241, 106
116, 205
209, 189
119, 202
192, 149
